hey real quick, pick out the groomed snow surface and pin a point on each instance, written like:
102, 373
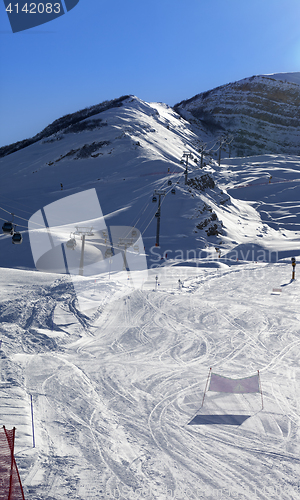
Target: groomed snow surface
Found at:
114, 387
113, 393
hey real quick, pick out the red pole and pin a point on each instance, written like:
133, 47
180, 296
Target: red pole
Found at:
11, 466
21, 487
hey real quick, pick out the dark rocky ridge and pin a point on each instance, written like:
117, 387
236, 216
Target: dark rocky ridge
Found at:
261, 113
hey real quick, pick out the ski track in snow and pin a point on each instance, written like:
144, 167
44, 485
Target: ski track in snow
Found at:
113, 394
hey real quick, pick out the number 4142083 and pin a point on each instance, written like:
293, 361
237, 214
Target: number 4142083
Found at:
33, 8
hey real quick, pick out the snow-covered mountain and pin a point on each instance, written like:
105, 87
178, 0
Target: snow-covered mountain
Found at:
126, 151
258, 115
107, 395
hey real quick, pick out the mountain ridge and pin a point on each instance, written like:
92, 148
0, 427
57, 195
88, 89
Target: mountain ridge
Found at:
260, 114
128, 152
269, 126
63, 123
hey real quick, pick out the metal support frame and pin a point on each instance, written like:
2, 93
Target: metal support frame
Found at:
209, 373
159, 194
83, 232
188, 155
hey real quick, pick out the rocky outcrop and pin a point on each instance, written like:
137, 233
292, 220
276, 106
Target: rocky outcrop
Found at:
259, 115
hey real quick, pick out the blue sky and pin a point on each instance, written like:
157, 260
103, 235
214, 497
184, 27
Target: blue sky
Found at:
161, 50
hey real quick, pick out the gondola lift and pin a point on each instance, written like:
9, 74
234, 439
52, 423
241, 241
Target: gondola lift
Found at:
71, 243
157, 214
108, 253
8, 227
169, 182
17, 238
173, 191
154, 199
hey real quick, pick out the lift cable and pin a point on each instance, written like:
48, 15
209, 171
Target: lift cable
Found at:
5, 220
18, 217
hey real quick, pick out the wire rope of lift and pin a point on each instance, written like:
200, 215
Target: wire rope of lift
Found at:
155, 199
146, 205
19, 217
18, 237
9, 227
168, 191
142, 211
140, 214
226, 140
7, 204
19, 225
153, 217
172, 190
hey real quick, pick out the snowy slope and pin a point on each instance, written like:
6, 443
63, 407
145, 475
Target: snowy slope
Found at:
263, 208
136, 149
113, 394
114, 390
127, 153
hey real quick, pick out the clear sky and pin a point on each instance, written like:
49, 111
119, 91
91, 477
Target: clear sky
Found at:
158, 50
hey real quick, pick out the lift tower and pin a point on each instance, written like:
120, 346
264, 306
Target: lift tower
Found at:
83, 232
187, 155
157, 215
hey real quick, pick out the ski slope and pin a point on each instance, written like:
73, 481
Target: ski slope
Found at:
264, 206
113, 393
114, 388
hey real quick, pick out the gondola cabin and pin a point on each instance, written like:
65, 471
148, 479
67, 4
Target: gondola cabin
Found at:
108, 253
17, 238
71, 243
8, 228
